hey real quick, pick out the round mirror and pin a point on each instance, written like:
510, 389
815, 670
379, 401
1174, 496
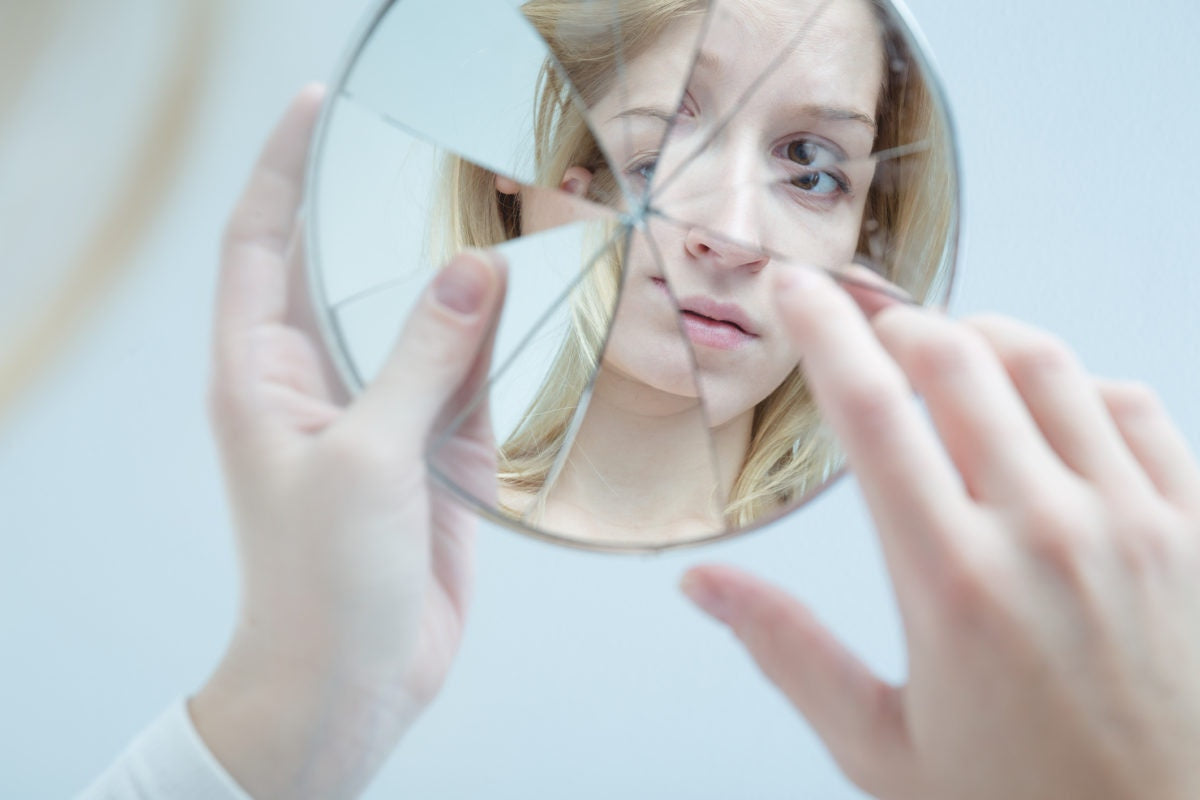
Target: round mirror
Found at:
643, 165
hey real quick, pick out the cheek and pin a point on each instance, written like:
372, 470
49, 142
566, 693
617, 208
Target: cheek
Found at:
639, 262
828, 240
646, 345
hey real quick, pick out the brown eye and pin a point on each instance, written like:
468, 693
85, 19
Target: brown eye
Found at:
802, 152
807, 181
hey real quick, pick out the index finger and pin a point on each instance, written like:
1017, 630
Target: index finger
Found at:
253, 282
908, 480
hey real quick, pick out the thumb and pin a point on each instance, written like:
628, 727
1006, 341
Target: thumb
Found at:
437, 348
859, 717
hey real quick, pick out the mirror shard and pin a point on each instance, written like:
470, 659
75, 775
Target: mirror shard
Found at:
646, 167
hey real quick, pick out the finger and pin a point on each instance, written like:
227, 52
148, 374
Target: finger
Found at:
859, 717
1159, 447
302, 315
437, 350
982, 421
870, 290
253, 283
470, 399
462, 446
1063, 402
909, 483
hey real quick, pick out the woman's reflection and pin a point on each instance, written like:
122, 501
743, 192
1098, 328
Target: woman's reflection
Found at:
748, 133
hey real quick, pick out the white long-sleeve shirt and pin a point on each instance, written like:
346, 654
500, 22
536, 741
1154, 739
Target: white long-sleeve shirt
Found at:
167, 761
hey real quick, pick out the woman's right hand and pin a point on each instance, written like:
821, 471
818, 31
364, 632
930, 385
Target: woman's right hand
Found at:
356, 572
1042, 532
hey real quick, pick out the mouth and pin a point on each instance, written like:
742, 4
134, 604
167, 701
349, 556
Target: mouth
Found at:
711, 323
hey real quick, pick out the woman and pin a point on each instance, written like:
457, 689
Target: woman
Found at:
1042, 534
693, 424
1041, 519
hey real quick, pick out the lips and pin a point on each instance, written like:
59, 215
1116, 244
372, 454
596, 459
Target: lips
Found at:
709, 322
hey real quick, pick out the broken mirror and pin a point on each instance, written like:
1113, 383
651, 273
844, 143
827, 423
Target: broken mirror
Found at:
643, 166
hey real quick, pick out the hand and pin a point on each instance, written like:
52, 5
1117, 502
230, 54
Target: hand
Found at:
356, 574
1043, 539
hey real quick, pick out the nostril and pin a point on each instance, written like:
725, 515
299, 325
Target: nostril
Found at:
721, 252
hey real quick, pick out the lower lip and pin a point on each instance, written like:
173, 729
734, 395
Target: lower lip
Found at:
709, 332
712, 333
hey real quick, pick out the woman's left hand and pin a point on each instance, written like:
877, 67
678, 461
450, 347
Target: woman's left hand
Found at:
356, 572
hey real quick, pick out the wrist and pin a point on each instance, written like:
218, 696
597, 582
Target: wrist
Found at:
286, 725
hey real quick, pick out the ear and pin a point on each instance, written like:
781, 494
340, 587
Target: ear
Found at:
575, 181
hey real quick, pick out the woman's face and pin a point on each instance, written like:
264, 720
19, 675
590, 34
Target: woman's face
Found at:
737, 184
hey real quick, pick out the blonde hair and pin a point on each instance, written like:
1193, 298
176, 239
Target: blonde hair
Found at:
26, 32
907, 230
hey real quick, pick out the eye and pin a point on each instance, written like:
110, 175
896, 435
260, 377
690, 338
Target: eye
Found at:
819, 183
820, 178
642, 169
803, 151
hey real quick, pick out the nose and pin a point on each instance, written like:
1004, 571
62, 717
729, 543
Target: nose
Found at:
711, 247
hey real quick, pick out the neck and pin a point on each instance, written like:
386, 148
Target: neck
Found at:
646, 466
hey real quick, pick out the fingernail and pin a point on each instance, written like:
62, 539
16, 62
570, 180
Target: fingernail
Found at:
706, 596
463, 284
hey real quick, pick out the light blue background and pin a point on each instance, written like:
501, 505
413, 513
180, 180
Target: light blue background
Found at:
580, 676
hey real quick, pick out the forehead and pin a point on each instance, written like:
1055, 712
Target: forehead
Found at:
826, 52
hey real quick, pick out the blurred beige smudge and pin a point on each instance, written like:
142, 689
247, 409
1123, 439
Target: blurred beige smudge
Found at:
57, 261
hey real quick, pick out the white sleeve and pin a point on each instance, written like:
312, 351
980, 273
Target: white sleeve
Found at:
167, 761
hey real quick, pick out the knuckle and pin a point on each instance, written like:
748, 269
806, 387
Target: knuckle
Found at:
969, 588
1040, 356
234, 234
869, 399
891, 321
247, 231
1149, 541
1062, 530
942, 356
768, 619
972, 578
1132, 399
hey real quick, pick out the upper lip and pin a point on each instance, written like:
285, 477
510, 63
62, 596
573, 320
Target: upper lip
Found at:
721, 312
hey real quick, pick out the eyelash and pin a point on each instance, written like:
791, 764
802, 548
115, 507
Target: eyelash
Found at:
644, 162
642, 170
843, 186
642, 167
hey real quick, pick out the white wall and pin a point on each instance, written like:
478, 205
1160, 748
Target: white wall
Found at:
581, 676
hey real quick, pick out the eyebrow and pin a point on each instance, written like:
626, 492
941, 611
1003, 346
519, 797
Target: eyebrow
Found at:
824, 112
644, 111
712, 62
836, 114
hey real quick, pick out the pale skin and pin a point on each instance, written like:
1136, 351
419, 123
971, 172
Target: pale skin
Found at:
652, 462
356, 574
1042, 532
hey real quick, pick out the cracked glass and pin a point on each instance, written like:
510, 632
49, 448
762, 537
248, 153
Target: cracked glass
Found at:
644, 166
